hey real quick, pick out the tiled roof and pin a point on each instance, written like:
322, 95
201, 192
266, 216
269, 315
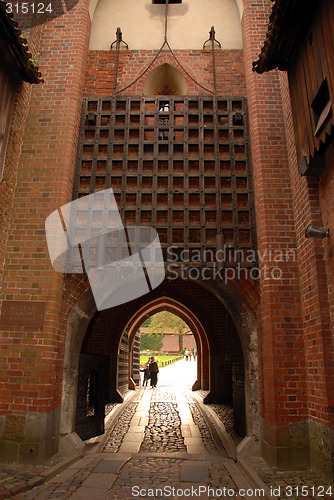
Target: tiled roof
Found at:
16, 47
286, 29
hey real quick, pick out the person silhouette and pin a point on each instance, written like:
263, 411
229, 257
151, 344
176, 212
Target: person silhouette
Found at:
154, 370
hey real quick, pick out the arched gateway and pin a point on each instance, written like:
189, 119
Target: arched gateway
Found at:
172, 118
226, 344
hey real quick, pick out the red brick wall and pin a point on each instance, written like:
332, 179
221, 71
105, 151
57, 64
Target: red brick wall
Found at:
12, 360
282, 365
198, 63
8, 183
33, 358
326, 197
318, 343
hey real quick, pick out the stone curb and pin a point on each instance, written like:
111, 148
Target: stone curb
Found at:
253, 478
20, 487
111, 421
225, 438
228, 443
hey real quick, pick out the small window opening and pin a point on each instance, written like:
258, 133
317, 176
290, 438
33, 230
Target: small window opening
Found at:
322, 107
310, 38
164, 107
163, 135
164, 1
163, 122
91, 395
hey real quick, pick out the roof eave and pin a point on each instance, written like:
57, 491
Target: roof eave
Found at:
17, 47
285, 31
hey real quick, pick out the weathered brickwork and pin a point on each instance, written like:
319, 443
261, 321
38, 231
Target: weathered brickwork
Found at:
326, 190
283, 400
313, 203
198, 64
34, 358
283, 365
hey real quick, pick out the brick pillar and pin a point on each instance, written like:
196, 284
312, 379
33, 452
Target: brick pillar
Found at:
283, 400
316, 286
33, 354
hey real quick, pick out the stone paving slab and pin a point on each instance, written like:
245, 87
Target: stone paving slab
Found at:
133, 437
143, 421
197, 450
81, 464
195, 472
109, 466
63, 476
185, 431
100, 481
132, 447
84, 493
136, 428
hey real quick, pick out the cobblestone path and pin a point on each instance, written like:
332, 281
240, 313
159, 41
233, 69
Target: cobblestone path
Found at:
204, 430
120, 428
163, 432
161, 444
163, 420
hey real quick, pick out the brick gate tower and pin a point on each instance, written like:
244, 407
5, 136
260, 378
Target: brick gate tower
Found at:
159, 101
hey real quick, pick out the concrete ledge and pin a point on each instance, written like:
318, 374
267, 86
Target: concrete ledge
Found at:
111, 420
70, 444
249, 447
254, 478
20, 486
60, 467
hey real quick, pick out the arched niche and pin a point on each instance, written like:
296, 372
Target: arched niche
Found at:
167, 80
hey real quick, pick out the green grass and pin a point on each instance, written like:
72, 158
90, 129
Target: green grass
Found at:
163, 357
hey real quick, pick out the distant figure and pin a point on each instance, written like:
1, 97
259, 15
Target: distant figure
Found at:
186, 354
194, 354
154, 370
147, 375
